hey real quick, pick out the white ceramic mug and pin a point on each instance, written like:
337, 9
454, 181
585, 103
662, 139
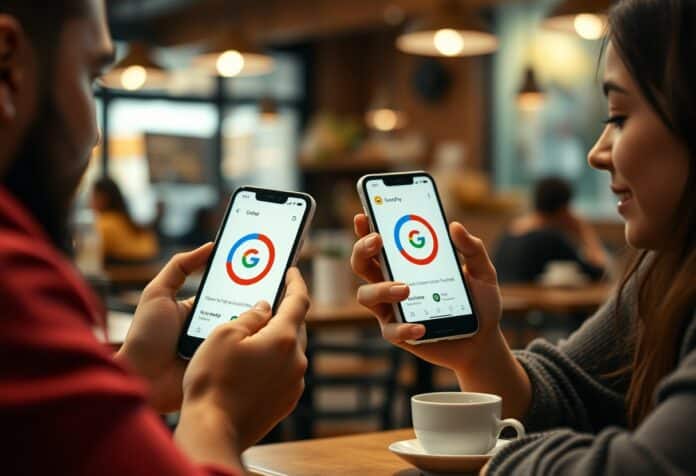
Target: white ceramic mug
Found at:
459, 423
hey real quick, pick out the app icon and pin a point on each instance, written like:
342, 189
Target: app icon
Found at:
416, 240
379, 200
436, 297
250, 259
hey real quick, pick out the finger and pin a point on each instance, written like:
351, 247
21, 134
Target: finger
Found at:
186, 306
295, 305
253, 320
478, 264
388, 292
175, 272
361, 225
363, 260
398, 333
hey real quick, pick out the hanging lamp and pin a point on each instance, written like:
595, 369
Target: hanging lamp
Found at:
451, 31
230, 55
137, 70
585, 18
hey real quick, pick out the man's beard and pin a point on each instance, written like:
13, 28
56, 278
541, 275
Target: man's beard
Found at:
44, 174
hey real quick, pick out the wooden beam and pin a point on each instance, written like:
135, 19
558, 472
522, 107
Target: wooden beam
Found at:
283, 21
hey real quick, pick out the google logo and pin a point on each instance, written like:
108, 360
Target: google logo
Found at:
415, 240
249, 259
250, 262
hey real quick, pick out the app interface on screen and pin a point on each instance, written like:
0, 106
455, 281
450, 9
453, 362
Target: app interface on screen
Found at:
416, 242
250, 260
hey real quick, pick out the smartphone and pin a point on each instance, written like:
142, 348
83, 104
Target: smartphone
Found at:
259, 239
405, 209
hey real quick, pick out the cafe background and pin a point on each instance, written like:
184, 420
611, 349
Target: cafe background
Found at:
309, 95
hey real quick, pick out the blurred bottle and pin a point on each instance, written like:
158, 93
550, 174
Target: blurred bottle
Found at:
87, 244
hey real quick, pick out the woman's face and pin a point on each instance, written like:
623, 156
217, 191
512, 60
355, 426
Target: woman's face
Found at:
649, 166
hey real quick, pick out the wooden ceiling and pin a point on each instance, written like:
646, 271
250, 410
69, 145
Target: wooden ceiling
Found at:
265, 21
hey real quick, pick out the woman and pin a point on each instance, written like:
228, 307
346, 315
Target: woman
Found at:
122, 239
624, 385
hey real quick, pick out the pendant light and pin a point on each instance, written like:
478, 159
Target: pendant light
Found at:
451, 31
382, 114
230, 55
585, 18
530, 96
137, 70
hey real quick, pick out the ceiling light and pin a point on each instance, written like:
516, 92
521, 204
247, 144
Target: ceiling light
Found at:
230, 56
451, 31
586, 18
137, 70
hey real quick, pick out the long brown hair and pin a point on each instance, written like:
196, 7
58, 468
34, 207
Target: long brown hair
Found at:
656, 40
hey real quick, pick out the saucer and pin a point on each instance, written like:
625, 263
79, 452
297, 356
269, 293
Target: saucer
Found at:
412, 452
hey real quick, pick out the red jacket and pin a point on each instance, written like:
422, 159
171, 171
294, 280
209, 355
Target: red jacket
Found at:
66, 407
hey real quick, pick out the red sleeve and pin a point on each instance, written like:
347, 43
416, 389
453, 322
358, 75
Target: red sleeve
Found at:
66, 407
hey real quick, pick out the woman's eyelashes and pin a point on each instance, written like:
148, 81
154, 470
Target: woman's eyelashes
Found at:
615, 120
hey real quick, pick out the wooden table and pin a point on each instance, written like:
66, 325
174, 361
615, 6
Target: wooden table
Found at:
517, 299
364, 455
555, 300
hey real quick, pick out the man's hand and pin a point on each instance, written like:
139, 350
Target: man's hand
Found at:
244, 378
150, 346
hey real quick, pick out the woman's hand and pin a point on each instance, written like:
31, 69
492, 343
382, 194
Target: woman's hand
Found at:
379, 296
150, 346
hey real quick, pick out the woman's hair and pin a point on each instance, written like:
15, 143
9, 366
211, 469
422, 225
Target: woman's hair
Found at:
656, 39
113, 200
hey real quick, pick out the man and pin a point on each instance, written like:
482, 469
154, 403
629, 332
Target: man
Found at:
66, 405
549, 233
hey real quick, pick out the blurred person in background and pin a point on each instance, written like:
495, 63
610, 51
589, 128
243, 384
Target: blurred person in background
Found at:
122, 239
551, 232
618, 396
68, 405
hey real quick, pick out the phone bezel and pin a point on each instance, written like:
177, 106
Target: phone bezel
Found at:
463, 325
188, 344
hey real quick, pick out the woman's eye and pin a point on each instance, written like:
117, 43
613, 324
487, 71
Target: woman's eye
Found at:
618, 121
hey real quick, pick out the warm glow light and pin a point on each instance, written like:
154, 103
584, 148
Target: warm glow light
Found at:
588, 26
448, 42
230, 63
385, 119
133, 77
530, 102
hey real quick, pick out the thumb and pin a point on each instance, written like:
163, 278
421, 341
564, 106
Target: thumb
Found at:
253, 320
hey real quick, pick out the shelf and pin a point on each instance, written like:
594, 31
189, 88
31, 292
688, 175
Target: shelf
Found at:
354, 164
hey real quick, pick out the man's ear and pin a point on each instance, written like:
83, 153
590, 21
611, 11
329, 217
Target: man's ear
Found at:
11, 36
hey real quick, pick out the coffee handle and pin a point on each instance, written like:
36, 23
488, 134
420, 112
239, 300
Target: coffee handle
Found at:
511, 422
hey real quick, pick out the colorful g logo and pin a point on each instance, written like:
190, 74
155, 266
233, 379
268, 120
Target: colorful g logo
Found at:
415, 240
250, 260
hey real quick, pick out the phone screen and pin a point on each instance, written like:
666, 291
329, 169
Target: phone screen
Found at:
418, 248
253, 250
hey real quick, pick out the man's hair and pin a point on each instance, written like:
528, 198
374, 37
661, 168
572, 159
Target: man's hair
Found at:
42, 22
552, 194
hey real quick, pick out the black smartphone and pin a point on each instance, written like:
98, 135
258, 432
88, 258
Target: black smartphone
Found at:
417, 249
259, 239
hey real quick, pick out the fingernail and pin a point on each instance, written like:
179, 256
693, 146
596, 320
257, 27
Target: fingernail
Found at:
417, 331
372, 242
398, 290
262, 306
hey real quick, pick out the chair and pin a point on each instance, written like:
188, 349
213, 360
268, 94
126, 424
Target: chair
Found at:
362, 367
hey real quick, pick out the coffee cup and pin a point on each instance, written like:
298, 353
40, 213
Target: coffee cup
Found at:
459, 423
563, 273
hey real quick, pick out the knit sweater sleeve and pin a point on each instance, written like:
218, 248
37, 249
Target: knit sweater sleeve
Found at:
574, 383
661, 445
